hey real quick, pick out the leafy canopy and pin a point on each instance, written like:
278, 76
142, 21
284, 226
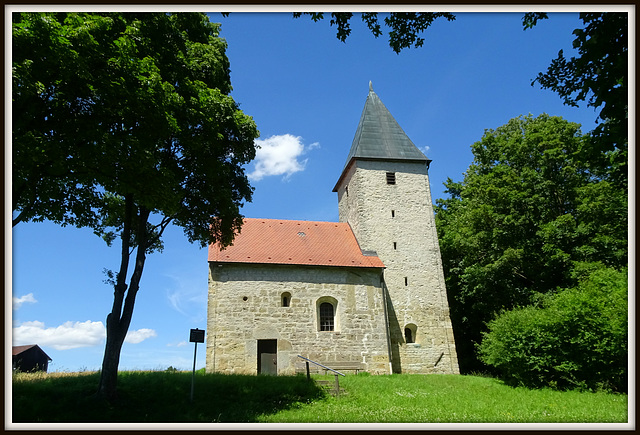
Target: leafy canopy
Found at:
144, 111
597, 75
528, 210
123, 123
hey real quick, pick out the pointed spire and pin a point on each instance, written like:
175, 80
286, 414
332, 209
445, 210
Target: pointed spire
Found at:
380, 137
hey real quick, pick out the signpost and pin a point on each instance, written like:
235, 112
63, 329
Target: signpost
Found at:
196, 336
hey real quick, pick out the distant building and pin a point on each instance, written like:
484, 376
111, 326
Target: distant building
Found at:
29, 358
366, 293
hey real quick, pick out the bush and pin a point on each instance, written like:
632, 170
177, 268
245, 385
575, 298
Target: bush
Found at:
576, 338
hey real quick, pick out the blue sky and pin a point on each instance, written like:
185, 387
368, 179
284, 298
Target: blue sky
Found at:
305, 90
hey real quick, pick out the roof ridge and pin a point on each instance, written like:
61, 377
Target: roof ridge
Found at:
282, 241
290, 220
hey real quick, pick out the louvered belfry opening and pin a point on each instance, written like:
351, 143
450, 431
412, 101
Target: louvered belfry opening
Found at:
391, 178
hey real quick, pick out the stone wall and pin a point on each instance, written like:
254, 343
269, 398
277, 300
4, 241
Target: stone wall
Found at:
397, 222
245, 305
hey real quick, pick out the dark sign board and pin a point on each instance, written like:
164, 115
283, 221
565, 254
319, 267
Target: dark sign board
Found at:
196, 336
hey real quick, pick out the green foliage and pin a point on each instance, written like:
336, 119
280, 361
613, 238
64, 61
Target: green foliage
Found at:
598, 75
145, 112
528, 210
576, 338
530, 19
404, 26
123, 122
164, 397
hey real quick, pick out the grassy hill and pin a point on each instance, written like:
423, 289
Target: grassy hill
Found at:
155, 397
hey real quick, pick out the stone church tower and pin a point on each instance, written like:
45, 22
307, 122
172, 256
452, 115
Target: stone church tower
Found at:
384, 195
363, 294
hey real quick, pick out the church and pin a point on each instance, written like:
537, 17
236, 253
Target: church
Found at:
366, 293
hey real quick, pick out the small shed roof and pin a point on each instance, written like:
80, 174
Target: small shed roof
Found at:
273, 241
17, 350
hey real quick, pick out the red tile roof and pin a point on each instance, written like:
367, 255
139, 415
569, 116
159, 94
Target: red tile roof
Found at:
276, 241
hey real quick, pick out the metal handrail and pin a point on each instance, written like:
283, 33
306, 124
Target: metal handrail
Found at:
324, 367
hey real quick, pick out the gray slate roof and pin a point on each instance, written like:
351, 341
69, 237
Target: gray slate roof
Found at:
379, 136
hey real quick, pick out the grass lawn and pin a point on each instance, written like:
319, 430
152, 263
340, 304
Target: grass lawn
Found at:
155, 397
453, 399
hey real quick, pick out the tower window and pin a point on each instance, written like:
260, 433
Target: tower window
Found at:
286, 299
395, 245
391, 178
406, 281
326, 317
393, 213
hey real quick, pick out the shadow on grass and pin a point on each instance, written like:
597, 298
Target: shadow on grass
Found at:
158, 397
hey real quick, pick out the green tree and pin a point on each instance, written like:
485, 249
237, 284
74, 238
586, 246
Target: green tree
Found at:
576, 338
526, 212
598, 75
123, 122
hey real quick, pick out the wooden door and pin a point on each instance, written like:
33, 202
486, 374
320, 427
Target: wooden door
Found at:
268, 357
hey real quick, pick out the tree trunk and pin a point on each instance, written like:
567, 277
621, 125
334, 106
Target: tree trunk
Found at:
107, 388
119, 318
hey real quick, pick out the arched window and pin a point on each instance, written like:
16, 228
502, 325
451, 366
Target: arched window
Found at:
286, 299
410, 333
326, 317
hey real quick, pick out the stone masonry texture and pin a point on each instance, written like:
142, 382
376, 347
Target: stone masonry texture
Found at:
397, 222
245, 305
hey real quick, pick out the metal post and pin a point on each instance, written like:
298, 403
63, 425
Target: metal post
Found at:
193, 373
337, 386
308, 373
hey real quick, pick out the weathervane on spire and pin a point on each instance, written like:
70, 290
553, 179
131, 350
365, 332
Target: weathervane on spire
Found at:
370, 86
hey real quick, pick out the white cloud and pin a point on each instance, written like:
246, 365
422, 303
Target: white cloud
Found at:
17, 302
175, 300
425, 149
279, 155
180, 344
139, 335
186, 296
70, 335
